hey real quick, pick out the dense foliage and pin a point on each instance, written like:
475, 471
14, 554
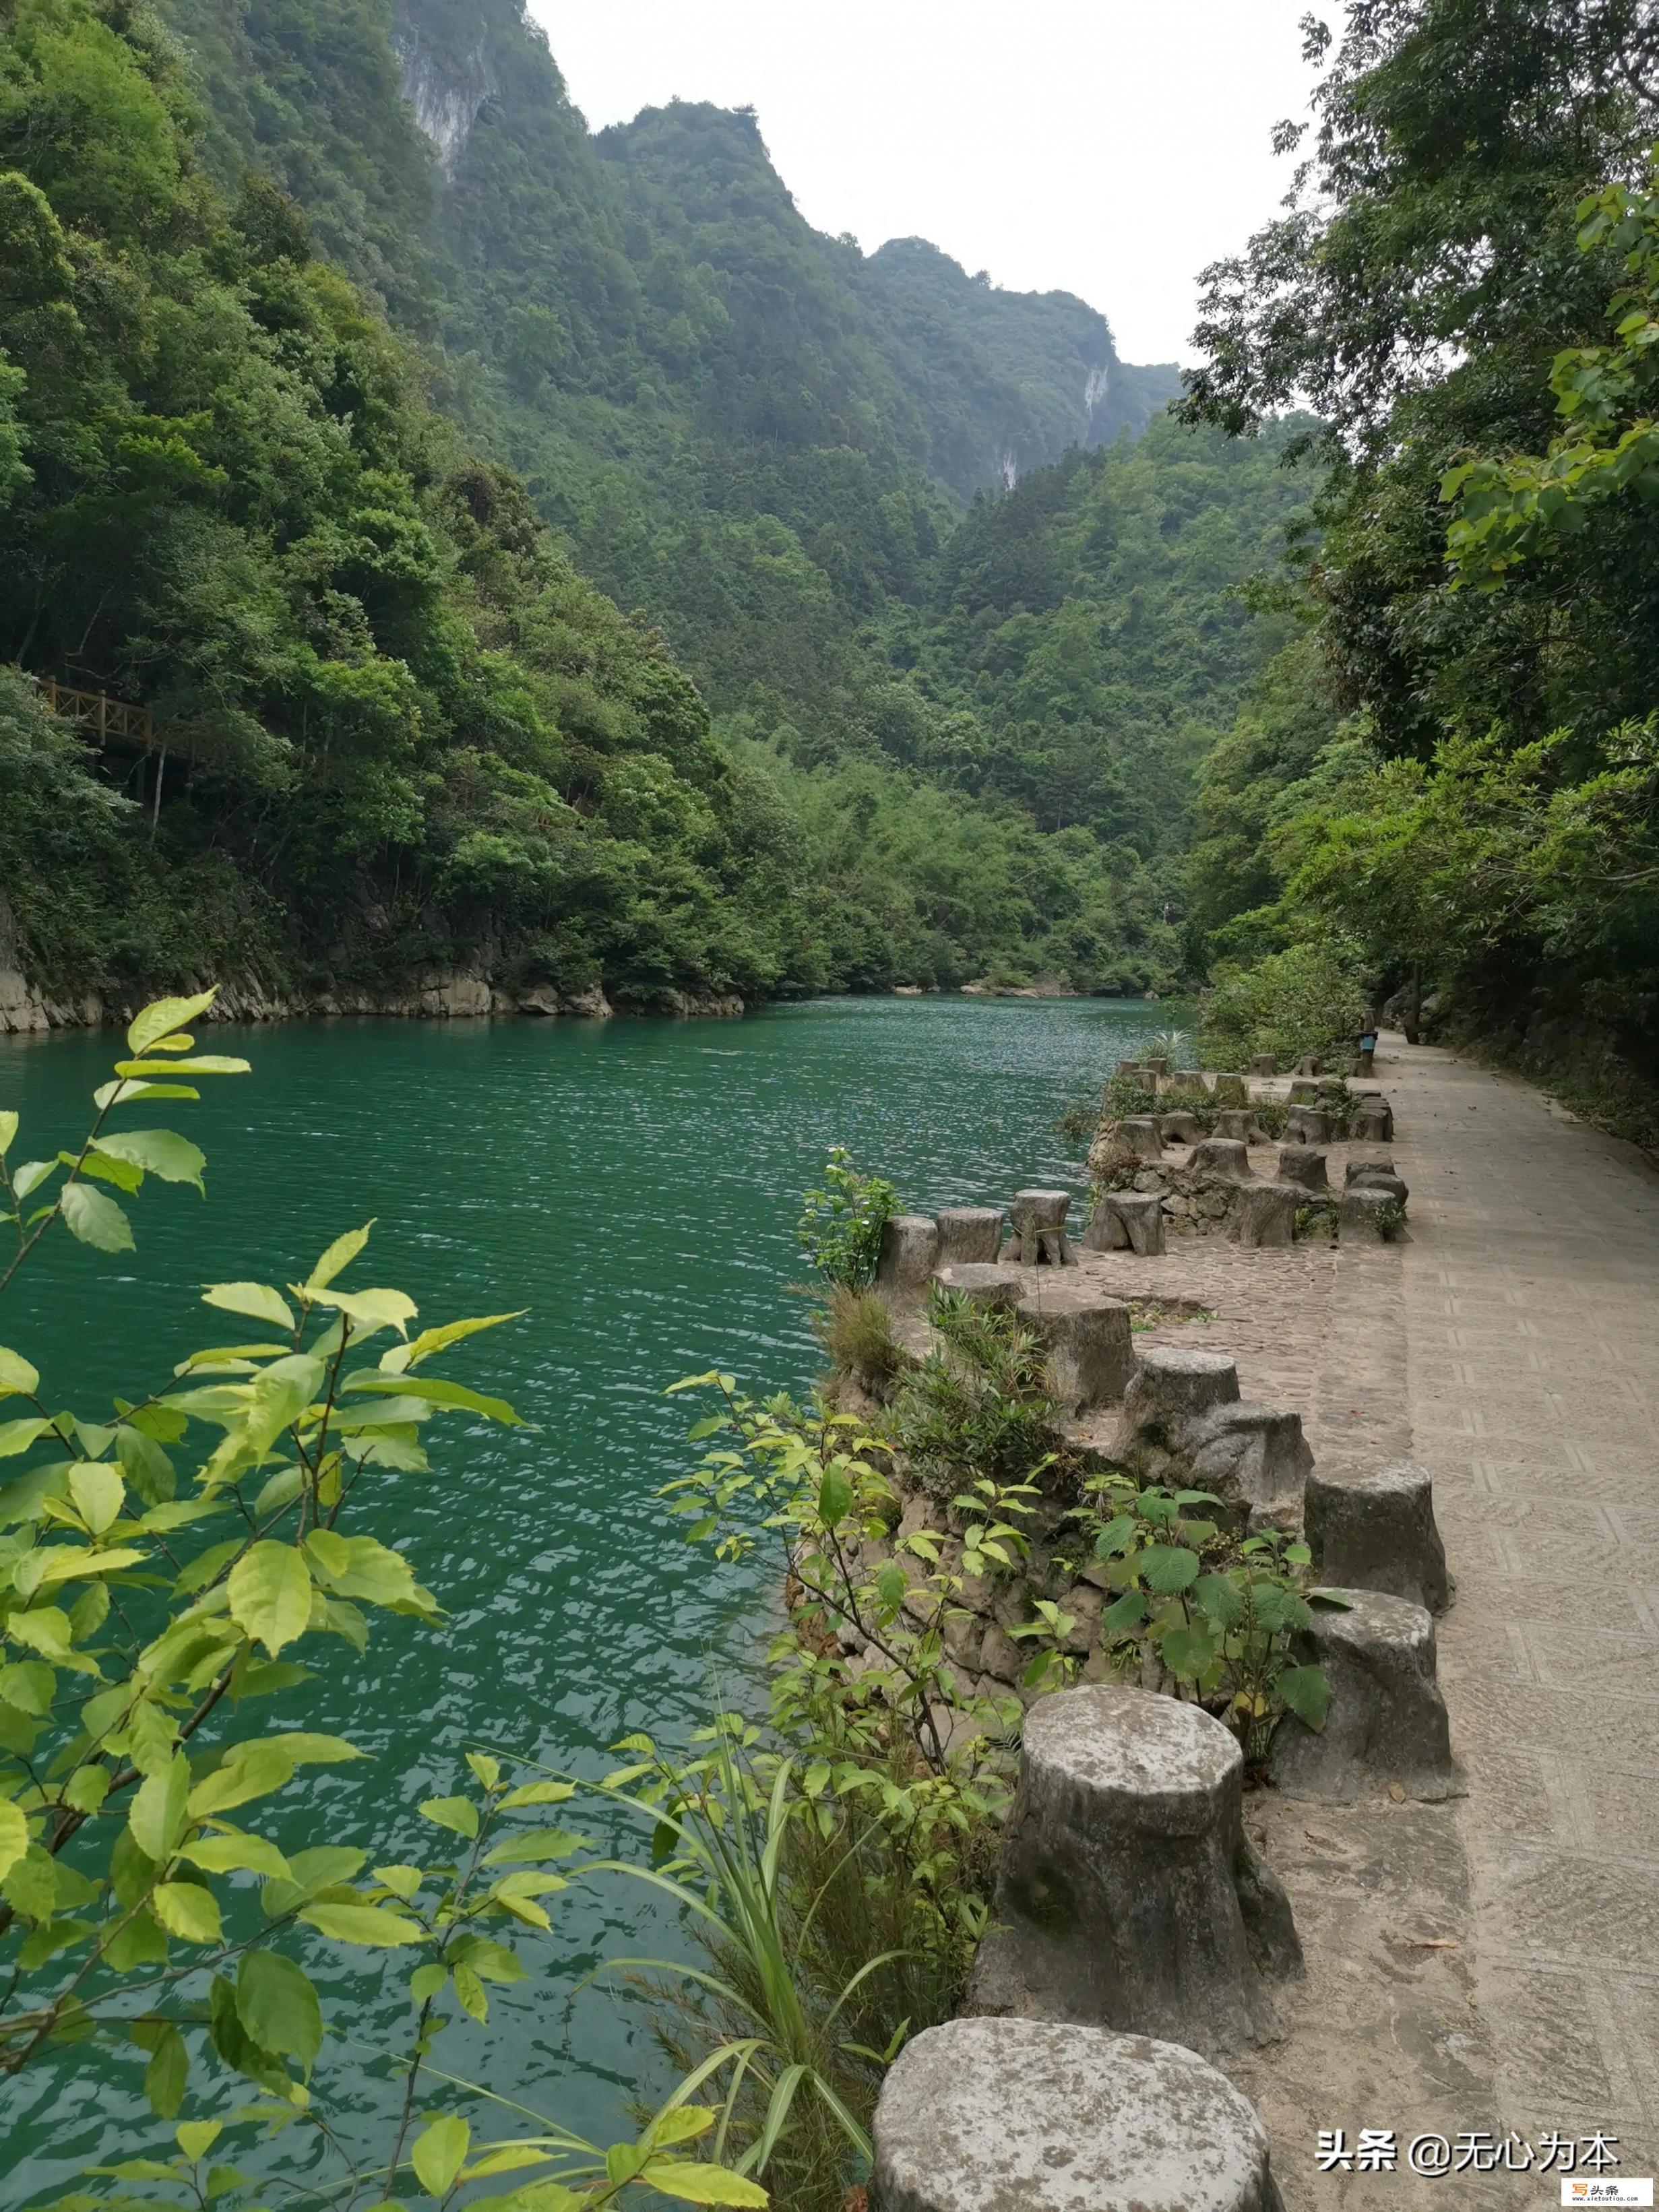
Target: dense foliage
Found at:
157, 1565
1466, 788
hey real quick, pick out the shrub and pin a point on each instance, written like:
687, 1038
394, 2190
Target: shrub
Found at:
841, 1225
156, 1588
1308, 999
978, 1408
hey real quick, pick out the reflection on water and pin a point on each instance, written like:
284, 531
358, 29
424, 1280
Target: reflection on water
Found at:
634, 1184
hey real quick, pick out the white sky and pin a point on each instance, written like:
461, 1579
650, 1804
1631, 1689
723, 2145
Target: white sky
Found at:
1109, 149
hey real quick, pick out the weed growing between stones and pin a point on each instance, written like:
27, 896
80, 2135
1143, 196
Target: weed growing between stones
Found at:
855, 1329
977, 1409
1202, 1610
884, 1778
1317, 1220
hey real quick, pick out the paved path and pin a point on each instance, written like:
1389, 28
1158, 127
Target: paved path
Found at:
1531, 1293
1489, 1966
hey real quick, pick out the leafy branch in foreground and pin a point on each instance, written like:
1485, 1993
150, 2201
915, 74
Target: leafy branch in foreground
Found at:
158, 1565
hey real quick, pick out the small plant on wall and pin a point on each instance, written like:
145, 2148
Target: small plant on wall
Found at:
1218, 1612
840, 1224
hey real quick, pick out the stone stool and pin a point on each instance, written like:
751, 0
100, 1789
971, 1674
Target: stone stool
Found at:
1172, 1386
1127, 1894
1086, 1335
991, 2115
1304, 1091
1362, 1175
1038, 1221
1139, 1134
968, 1235
1307, 1065
1127, 1220
1387, 1722
1364, 1166
1263, 1213
1239, 1122
1372, 1122
1180, 1129
1132, 1071
1304, 1166
1155, 1067
908, 1253
1264, 1064
1375, 1530
1229, 1090
982, 1285
1186, 1083
1221, 1155
1256, 1461
1365, 1215
1306, 1125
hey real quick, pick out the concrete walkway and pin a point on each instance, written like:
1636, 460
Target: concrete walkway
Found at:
1491, 1967
1532, 1315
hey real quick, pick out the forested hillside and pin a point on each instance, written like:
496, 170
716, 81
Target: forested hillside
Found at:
545, 555
1457, 775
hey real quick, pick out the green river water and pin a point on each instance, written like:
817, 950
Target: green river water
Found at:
634, 1184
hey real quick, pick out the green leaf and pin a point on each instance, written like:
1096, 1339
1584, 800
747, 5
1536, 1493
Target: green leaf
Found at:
835, 1498
361, 1567
159, 1810
139, 1071
17, 1377
1188, 1653
368, 1310
165, 2076
196, 2138
308, 1749
537, 1793
95, 1220
1304, 1691
270, 1594
440, 2152
278, 1397
279, 2007
235, 1854
98, 1494
437, 1392
371, 1925
458, 1815
145, 1465
1123, 1616
157, 1152
1220, 1598
30, 1176
697, 2184
17, 1435
682, 2124
247, 1771
187, 1909
258, 1300
1167, 1569
123, 1176
13, 1836
533, 1844
163, 1015
340, 1253
402, 1357
7, 1130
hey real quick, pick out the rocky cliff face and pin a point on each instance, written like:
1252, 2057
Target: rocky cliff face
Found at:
443, 98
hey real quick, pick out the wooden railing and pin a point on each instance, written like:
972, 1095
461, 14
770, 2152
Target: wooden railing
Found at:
105, 717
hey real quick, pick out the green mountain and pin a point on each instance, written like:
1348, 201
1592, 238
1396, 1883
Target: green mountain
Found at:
350, 388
